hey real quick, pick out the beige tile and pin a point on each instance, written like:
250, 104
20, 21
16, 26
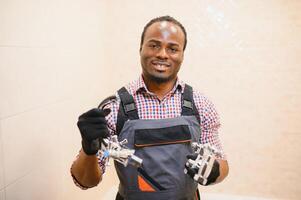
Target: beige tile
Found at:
40, 77
49, 51
48, 23
27, 24
2, 195
2, 184
34, 139
28, 81
38, 184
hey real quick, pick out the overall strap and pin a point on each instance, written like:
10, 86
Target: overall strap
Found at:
188, 105
127, 109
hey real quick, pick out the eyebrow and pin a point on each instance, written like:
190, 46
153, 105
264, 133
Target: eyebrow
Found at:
158, 41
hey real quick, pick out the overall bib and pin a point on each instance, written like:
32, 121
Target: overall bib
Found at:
163, 144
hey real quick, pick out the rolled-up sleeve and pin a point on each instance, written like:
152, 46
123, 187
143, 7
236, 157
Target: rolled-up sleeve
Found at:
209, 122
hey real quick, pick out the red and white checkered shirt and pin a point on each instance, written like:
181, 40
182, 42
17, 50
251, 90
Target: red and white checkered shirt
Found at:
149, 106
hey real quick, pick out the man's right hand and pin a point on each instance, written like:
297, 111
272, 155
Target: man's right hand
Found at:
93, 128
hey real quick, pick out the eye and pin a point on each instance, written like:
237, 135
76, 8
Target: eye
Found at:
173, 50
154, 46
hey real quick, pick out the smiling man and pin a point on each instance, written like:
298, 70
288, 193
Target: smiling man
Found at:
162, 52
173, 128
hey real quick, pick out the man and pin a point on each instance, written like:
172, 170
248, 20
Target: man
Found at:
161, 117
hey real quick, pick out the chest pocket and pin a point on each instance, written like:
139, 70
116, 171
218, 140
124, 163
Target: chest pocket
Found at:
162, 136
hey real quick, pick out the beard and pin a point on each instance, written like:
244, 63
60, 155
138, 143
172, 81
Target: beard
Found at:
158, 78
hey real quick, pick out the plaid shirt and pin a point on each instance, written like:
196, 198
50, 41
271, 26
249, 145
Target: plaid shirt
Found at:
149, 106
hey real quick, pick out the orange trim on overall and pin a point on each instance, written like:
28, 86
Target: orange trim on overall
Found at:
197, 195
144, 186
162, 143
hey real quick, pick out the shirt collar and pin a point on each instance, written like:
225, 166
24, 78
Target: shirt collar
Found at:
141, 87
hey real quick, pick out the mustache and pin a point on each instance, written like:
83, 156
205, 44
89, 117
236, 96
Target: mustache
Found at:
160, 62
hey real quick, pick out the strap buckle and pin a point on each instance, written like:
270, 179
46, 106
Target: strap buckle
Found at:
187, 104
129, 107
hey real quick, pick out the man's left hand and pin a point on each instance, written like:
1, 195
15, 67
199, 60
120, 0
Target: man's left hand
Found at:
202, 166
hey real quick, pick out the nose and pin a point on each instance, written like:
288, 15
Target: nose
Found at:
162, 54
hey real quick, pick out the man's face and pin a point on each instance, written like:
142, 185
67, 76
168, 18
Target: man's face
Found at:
162, 52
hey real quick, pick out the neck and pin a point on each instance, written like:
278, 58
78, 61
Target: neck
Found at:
159, 89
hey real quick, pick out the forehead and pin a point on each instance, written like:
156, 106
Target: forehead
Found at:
165, 31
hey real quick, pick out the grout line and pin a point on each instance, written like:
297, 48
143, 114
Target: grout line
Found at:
25, 46
35, 108
2, 157
17, 180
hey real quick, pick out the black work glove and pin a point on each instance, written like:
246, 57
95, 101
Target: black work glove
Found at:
93, 128
202, 179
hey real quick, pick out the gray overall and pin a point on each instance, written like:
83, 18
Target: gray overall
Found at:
163, 144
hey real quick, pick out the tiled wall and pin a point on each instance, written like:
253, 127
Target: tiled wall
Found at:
52, 65
60, 58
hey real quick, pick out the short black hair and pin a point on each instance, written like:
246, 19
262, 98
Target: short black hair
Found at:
161, 19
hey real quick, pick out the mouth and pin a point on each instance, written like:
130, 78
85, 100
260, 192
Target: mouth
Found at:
160, 65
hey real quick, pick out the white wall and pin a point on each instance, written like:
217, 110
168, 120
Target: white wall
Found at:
60, 58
